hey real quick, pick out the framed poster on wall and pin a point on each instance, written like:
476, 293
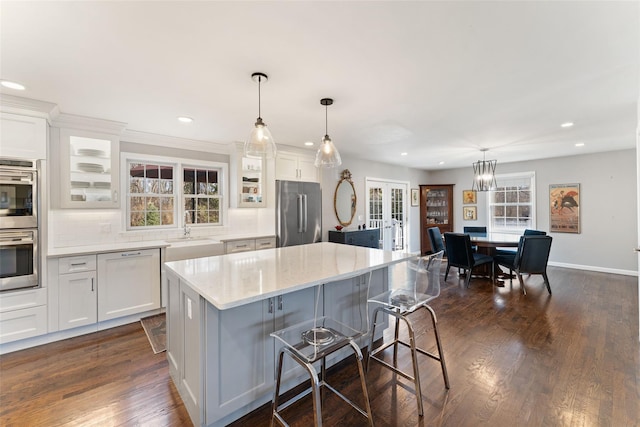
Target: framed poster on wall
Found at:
564, 208
469, 213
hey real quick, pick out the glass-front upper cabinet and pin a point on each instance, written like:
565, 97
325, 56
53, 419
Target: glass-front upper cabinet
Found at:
89, 169
248, 180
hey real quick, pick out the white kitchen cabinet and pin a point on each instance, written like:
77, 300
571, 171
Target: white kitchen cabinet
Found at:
89, 169
129, 283
248, 185
296, 167
77, 291
78, 298
23, 137
23, 314
244, 245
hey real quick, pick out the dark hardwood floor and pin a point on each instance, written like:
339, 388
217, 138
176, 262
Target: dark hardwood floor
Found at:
570, 359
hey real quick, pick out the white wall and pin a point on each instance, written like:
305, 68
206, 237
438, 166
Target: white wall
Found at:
608, 206
360, 170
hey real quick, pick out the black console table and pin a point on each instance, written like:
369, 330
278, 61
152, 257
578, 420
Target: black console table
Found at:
368, 238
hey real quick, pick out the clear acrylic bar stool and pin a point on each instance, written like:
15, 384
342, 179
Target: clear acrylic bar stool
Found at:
312, 341
399, 302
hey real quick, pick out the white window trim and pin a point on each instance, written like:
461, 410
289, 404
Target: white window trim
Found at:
528, 174
179, 163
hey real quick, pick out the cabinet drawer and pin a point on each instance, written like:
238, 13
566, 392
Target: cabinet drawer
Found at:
76, 264
266, 243
20, 324
240, 246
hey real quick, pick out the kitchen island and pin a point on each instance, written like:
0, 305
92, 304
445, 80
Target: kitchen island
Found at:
221, 310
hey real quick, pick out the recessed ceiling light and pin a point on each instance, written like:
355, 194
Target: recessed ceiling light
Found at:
12, 85
567, 125
580, 144
185, 119
308, 144
441, 163
404, 153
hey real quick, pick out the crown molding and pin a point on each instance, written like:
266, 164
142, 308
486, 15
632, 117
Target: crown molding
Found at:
173, 142
72, 121
28, 107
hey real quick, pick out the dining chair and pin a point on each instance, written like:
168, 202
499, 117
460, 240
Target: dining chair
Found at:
435, 237
399, 302
531, 257
475, 230
313, 341
460, 254
512, 251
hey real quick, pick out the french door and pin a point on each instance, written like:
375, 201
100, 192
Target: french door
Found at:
386, 209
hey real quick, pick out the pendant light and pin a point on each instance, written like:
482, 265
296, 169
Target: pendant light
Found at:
260, 142
327, 155
484, 173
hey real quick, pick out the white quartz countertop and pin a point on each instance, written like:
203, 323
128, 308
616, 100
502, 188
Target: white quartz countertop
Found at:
233, 280
110, 247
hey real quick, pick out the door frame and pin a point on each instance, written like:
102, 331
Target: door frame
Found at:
384, 181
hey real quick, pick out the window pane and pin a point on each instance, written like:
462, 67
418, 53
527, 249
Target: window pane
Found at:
511, 211
136, 186
166, 186
137, 219
214, 217
151, 171
167, 218
189, 181
203, 216
166, 203
525, 211
166, 172
153, 203
498, 211
190, 216
525, 196
512, 197
136, 170
499, 197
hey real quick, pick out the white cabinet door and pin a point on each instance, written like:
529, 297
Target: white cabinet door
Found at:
77, 300
174, 321
243, 354
296, 167
20, 324
191, 370
240, 352
89, 169
23, 137
129, 283
307, 169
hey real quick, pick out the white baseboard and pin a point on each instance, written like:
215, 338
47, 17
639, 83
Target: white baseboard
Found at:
75, 332
594, 268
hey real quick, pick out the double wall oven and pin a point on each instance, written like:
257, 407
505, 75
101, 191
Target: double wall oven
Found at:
19, 260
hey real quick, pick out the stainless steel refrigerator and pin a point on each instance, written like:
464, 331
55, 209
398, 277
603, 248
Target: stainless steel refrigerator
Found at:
298, 213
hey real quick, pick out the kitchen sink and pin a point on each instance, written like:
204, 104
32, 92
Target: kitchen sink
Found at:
192, 247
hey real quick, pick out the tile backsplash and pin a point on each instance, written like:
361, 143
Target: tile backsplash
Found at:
69, 228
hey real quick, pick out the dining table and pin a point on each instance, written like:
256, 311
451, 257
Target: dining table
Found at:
487, 243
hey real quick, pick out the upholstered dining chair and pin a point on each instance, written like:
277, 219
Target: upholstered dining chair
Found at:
435, 237
512, 251
461, 255
531, 257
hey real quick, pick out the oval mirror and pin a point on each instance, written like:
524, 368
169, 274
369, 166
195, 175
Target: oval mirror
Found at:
344, 200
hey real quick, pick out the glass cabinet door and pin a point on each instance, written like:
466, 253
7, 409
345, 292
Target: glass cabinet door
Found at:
252, 181
438, 206
89, 169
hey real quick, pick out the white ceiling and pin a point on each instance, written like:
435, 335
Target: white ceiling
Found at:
437, 80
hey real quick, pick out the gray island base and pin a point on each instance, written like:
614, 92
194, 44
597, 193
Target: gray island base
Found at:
221, 310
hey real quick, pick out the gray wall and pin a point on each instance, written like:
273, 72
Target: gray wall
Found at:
360, 170
608, 209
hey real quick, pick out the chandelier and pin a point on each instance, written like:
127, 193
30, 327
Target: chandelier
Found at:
484, 173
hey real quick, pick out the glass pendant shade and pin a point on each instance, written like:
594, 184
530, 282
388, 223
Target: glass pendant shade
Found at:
327, 155
484, 175
260, 142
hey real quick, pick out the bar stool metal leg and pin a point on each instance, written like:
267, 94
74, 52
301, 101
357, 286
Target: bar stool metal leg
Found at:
439, 344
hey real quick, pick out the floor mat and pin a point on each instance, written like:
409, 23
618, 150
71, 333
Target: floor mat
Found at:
156, 329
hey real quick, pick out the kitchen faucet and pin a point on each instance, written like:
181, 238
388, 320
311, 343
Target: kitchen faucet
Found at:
187, 230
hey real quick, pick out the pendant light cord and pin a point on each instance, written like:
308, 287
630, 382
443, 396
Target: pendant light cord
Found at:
259, 101
326, 120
